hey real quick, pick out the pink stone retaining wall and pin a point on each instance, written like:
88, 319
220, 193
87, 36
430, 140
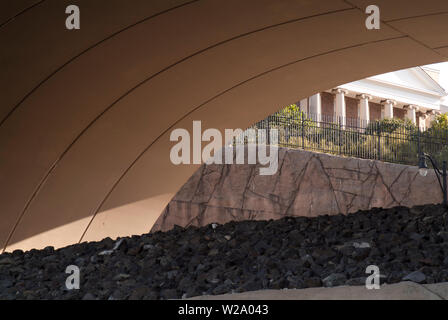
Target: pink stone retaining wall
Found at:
306, 184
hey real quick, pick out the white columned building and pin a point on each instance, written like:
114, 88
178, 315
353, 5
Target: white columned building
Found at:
339, 106
315, 107
388, 108
364, 109
413, 94
422, 121
432, 114
304, 105
411, 111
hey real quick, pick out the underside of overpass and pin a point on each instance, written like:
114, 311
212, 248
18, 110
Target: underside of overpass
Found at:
86, 115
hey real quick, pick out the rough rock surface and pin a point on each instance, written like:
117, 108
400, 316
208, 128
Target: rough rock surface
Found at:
306, 184
292, 252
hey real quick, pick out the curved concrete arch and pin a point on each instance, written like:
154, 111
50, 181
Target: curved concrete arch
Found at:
116, 177
107, 62
46, 32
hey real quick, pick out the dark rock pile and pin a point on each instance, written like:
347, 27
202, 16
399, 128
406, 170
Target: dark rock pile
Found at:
406, 244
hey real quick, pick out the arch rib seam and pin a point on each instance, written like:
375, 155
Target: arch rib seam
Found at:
20, 13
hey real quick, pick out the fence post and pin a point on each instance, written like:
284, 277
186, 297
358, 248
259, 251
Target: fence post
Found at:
303, 130
419, 150
340, 132
268, 131
380, 130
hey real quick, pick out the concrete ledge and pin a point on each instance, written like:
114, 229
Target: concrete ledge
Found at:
399, 291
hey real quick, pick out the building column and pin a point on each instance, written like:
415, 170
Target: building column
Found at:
339, 106
422, 121
364, 109
303, 104
432, 114
315, 107
411, 113
388, 107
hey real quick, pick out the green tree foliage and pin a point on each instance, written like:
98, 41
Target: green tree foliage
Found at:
440, 122
439, 127
390, 126
292, 112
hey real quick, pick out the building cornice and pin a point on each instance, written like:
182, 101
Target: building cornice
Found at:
404, 87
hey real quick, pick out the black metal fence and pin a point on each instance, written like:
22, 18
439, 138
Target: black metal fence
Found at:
391, 141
